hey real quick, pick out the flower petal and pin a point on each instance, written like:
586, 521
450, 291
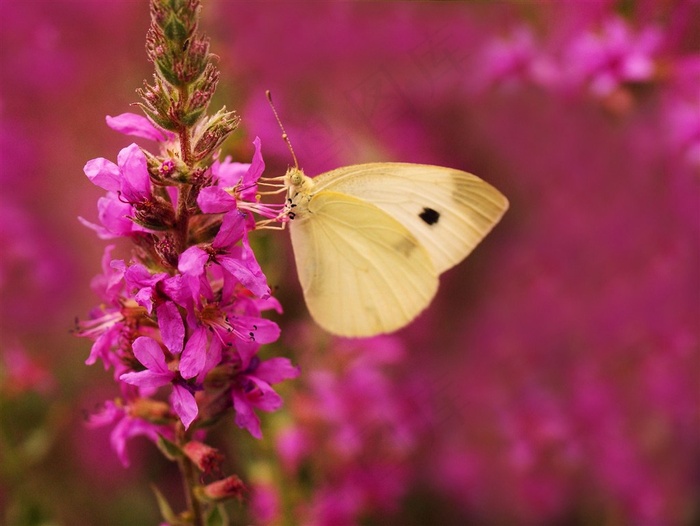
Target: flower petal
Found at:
213, 358
256, 283
259, 330
275, 370
263, 396
128, 428
245, 416
213, 200
135, 183
229, 174
150, 354
249, 187
114, 215
103, 173
194, 355
231, 230
257, 166
136, 125
147, 378
192, 261
172, 329
184, 404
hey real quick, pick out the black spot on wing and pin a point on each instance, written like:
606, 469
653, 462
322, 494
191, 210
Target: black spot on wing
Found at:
430, 216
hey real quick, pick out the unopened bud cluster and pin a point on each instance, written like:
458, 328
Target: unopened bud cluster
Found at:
184, 81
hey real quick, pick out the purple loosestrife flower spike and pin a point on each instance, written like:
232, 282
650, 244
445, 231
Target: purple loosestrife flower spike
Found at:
183, 312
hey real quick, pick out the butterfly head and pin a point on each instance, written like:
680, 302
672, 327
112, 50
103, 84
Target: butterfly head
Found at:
297, 182
299, 191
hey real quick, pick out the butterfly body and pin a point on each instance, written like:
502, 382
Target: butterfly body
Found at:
371, 240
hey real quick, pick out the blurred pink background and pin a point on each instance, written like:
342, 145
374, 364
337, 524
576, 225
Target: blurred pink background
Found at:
556, 378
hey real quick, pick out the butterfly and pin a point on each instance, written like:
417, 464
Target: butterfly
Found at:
371, 240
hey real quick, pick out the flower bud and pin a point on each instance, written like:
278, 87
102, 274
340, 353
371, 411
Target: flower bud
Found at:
153, 411
220, 490
220, 377
156, 102
167, 251
217, 129
154, 214
205, 457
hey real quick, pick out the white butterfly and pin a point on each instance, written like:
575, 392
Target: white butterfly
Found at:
371, 240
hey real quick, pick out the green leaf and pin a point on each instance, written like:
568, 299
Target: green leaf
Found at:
165, 510
217, 517
171, 450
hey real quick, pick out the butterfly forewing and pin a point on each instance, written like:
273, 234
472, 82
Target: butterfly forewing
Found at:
362, 272
448, 211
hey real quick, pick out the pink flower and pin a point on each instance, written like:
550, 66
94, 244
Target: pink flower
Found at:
514, 60
127, 426
20, 373
234, 181
253, 391
114, 218
157, 374
140, 278
107, 321
613, 56
238, 261
129, 176
129, 195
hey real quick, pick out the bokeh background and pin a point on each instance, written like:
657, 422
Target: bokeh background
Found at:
556, 378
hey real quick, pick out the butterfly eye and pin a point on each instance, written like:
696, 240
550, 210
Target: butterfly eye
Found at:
296, 179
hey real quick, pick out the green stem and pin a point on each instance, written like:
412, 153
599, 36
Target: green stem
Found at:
189, 480
183, 213
185, 153
182, 223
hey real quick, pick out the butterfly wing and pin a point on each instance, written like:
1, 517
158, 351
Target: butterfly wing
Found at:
448, 211
362, 272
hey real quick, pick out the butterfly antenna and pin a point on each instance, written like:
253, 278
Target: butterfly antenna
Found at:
285, 137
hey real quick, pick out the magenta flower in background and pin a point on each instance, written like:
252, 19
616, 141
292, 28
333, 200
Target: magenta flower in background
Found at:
508, 63
21, 373
613, 55
254, 391
354, 427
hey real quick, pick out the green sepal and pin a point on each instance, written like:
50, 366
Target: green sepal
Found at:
166, 124
171, 450
190, 119
175, 32
150, 225
166, 71
217, 517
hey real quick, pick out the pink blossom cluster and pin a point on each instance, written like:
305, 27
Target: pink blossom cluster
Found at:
186, 316
417, 61
613, 59
358, 419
